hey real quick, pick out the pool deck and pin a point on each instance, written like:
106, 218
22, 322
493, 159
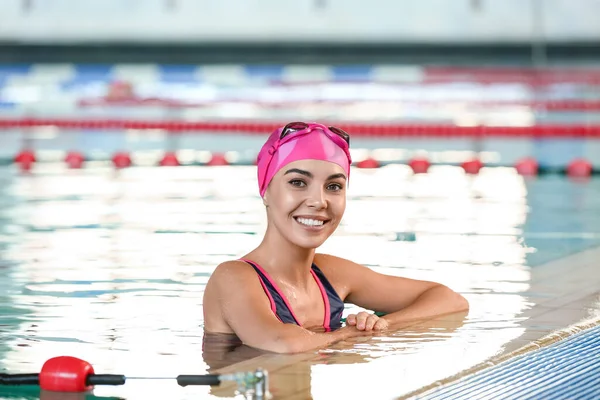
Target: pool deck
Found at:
576, 301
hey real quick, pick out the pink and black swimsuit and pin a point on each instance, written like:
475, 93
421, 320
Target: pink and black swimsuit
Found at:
334, 305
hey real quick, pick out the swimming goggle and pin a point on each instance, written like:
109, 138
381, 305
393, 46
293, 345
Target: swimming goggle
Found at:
300, 127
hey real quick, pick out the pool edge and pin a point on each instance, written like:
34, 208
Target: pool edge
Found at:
550, 339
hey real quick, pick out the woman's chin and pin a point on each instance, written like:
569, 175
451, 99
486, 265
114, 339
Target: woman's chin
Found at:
308, 238
309, 243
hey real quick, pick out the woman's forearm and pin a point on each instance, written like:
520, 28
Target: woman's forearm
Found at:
295, 339
438, 300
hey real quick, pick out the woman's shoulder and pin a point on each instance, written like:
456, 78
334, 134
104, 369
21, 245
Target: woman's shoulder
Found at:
341, 273
333, 265
231, 271
331, 261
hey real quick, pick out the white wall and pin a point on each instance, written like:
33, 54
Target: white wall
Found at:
476, 21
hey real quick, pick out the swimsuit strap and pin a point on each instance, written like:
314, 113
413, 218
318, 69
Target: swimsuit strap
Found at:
279, 304
334, 305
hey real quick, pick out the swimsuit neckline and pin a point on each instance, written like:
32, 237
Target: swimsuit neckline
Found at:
327, 308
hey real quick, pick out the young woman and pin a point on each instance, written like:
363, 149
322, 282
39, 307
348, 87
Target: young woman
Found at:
283, 296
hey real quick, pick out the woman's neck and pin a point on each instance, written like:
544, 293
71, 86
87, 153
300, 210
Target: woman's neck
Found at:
283, 260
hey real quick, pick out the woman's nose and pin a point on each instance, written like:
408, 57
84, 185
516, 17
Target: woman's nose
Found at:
316, 199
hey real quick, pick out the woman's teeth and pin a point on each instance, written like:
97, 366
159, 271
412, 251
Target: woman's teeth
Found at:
309, 222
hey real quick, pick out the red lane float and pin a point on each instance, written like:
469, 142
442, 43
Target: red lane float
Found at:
472, 167
419, 165
74, 159
25, 159
121, 160
368, 163
579, 168
65, 374
217, 159
355, 129
527, 166
169, 160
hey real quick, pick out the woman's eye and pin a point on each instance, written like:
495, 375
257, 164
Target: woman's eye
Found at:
334, 187
297, 182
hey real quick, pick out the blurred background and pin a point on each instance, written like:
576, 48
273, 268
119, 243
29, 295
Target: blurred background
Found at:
129, 130
461, 80
481, 73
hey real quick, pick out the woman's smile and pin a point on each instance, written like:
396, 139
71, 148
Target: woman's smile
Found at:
315, 224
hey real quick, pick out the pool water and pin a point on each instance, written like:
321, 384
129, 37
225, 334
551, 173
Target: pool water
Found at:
110, 266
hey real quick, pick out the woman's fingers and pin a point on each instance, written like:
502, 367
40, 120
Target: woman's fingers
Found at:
361, 320
370, 322
351, 319
380, 325
365, 321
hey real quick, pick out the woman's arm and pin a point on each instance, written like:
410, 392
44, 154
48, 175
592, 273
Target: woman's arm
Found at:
246, 309
402, 299
435, 301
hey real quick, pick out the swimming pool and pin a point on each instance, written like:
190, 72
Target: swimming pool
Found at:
110, 265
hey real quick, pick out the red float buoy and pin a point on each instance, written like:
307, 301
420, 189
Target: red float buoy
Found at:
217, 159
25, 159
74, 159
65, 374
419, 165
472, 166
368, 163
579, 168
527, 166
169, 159
121, 160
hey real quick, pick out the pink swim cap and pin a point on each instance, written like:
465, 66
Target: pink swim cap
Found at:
306, 142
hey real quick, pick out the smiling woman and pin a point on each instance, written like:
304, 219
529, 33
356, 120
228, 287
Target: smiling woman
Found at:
285, 297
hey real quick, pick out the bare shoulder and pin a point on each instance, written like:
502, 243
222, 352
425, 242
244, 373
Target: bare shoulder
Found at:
231, 282
229, 279
231, 266
230, 273
334, 264
341, 273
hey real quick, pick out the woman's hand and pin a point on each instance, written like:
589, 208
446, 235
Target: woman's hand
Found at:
363, 321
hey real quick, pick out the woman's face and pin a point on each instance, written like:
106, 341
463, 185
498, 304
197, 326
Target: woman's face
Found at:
306, 200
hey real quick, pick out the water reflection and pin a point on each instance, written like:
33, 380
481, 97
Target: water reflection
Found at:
221, 350
110, 267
